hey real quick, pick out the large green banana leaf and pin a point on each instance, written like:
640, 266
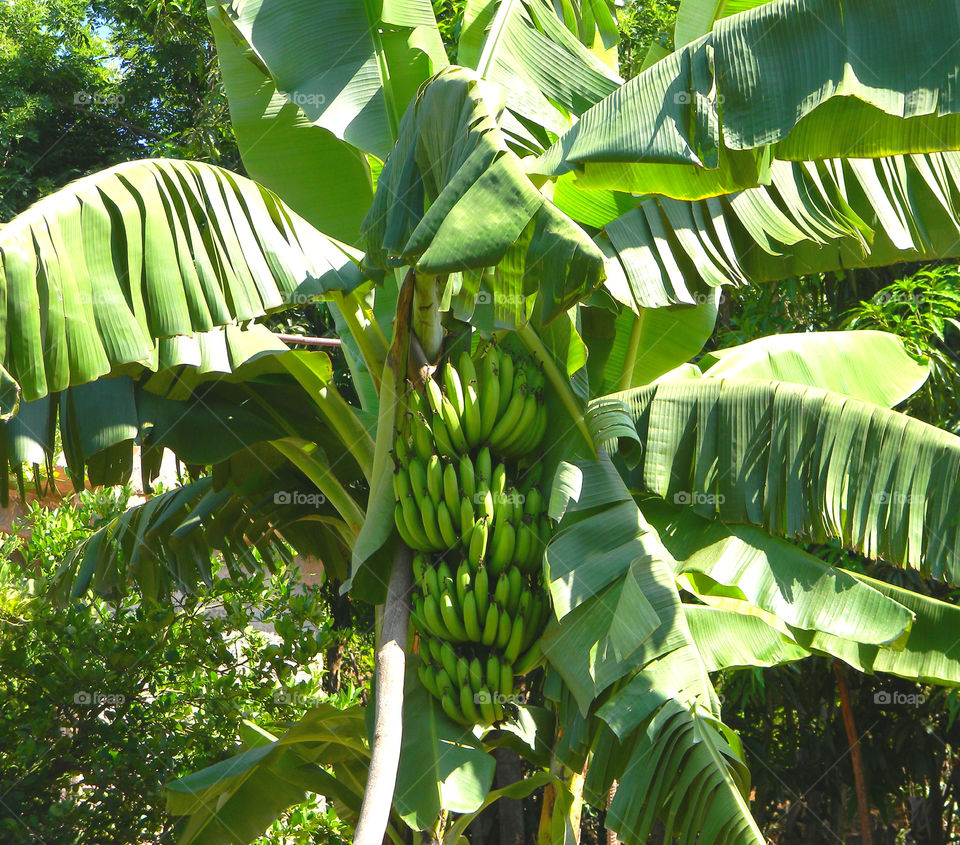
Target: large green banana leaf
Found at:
800, 462
812, 217
868, 365
879, 72
236, 799
726, 639
351, 67
697, 17
94, 274
282, 149
548, 75
452, 197
620, 621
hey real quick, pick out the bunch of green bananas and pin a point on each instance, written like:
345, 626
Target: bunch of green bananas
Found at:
480, 603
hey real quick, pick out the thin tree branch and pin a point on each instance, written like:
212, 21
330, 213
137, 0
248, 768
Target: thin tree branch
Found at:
856, 757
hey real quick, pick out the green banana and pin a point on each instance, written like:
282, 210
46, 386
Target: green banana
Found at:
513, 442
515, 579
431, 583
416, 613
401, 453
451, 489
444, 681
428, 516
506, 679
451, 709
445, 524
453, 388
411, 519
472, 426
451, 618
433, 394
401, 483
463, 671
448, 659
487, 710
419, 567
476, 674
434, 473
413, 541
468, 479
506, 379
498, 483
501, 548
441, 436
507, 423
501, 593
469, 706
481, 590
428, 679
492, 676
454, 427
434, 619
529, 660
422, 436
524, 545
491, 626
484, 468
533, 503
471, 617
418, 477
478, 543
511, 651
435, 648
489, 393
537, 614
462, 582
504, 628
466, 522
484, 502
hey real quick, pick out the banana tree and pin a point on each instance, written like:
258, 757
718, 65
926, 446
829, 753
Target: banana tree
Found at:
531, 196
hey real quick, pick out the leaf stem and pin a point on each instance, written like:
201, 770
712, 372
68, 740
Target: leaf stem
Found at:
633, 347
559, 381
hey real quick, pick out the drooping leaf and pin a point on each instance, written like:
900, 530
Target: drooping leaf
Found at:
148, 250
726, 640
812, 217
282, 149
351, 67
452, 197
236, 800
802, 463
880, 73
779, 578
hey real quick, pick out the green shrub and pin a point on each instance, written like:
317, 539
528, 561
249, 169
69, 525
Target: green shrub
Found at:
101, 704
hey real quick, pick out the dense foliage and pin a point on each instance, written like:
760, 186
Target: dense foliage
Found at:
101, 704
